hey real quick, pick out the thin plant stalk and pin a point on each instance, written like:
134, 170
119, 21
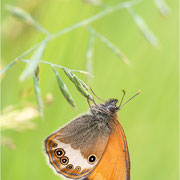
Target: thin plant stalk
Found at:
110, 45
151, 38
105, 12
163, 7
89, 57
56, 65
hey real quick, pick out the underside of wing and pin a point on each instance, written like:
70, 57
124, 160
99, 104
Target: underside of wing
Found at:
115, 162
75, 150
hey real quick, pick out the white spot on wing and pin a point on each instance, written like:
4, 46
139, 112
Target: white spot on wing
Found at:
75, 156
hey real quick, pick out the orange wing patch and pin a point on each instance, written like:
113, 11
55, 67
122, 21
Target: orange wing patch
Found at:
115, 162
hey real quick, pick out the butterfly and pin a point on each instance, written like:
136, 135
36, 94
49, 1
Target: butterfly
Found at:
91, 147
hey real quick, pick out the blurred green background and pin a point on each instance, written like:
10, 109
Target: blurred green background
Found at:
150, 121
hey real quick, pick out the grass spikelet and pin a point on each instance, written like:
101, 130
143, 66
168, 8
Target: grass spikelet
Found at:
37, 92
25, 17
80, 85
64, 89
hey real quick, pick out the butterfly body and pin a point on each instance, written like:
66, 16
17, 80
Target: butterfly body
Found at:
92, 146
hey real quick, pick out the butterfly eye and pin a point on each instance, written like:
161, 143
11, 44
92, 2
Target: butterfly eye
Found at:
70, 167
64, 160
59, 152
92, 159
112, 109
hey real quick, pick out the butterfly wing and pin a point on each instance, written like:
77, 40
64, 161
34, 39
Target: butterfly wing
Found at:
115, 162
75, 150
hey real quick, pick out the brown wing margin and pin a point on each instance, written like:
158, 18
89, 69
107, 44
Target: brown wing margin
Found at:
115, 163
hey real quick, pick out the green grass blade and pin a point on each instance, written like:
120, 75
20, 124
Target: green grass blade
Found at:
64, 89
25, 17
89, 57
111, 46
151, 38
37, 92
163, 7
33, 64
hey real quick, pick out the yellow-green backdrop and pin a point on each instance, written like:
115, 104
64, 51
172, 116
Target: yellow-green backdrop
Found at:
150, 121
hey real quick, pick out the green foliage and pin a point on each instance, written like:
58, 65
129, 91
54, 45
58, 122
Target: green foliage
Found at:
150, 121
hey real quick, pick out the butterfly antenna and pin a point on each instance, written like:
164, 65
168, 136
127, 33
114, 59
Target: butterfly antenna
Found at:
131, 98
94, 102
124, 92
96, 95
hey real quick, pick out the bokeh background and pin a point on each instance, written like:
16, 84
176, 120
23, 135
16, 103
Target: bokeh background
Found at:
150, 121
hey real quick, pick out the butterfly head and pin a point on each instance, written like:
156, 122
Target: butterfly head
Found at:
111, 106
108, 108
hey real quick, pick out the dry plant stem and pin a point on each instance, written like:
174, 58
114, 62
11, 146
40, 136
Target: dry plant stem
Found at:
94, 18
